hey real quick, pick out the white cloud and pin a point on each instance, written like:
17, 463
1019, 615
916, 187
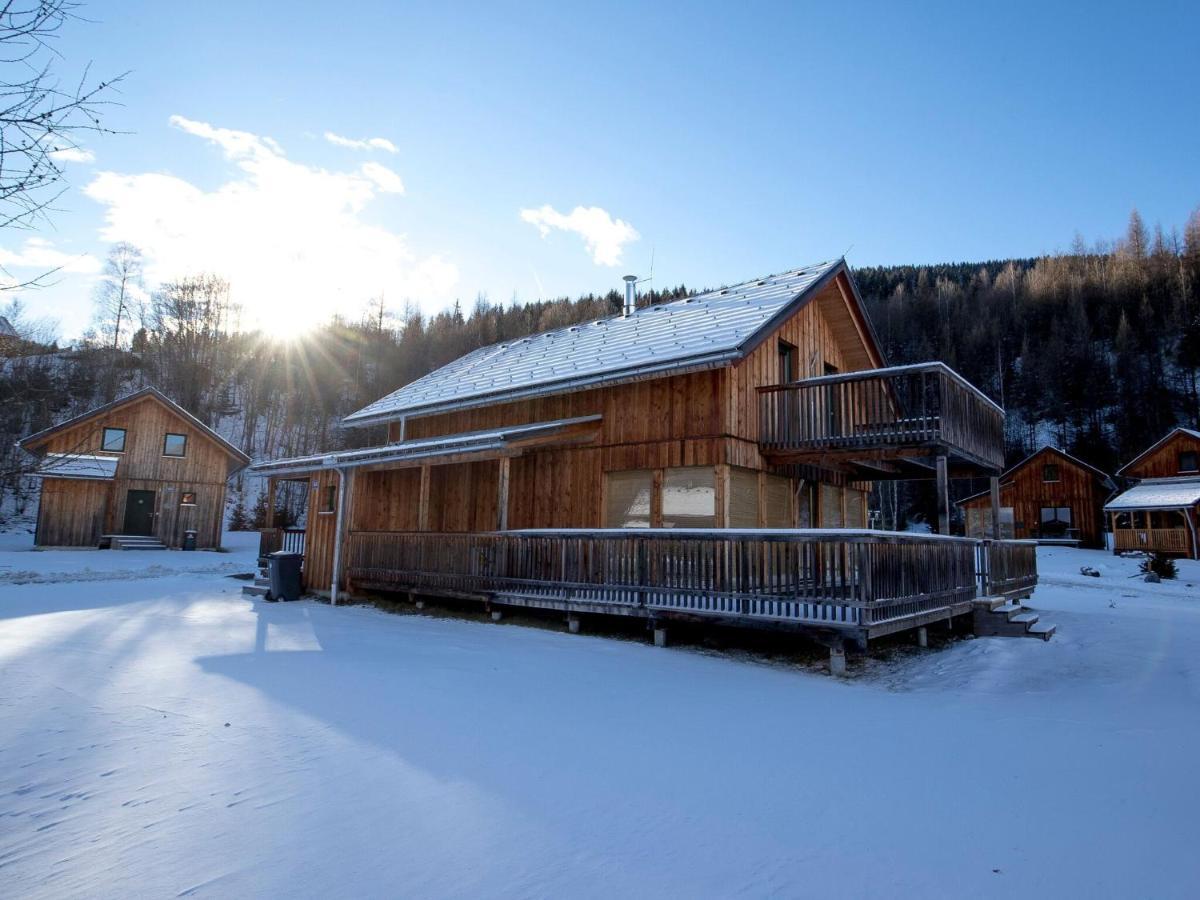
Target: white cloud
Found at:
375, 143
604, 236
73, 155
288, 236
385, 179
38, 253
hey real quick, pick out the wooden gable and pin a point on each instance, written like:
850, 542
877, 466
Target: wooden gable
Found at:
147, 417
1163, 459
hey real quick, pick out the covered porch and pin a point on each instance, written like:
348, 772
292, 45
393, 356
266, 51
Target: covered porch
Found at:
1157, 515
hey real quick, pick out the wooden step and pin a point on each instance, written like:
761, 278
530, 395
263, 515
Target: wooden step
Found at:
1042, 630
1026, 618
254, 590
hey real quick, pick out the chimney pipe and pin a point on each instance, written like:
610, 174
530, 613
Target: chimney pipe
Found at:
630, 297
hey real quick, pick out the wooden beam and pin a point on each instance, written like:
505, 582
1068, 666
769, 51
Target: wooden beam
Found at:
722, 495
656, 498
270, 521
995, 492
943, 495
423, 500
502, 495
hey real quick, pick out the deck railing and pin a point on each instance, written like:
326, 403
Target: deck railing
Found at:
853, 579
1167, 540
924, 405
273, 539
1007, 568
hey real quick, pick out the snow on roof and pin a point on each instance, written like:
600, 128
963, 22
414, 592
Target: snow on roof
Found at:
1158, 493
75, 465
706, 330
467, 442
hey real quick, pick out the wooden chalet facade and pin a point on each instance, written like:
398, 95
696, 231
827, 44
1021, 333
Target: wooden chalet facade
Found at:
672, 460
1048, 496
141, 466
1161, 510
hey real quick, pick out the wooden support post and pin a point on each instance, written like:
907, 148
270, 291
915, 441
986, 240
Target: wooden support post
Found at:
270, 522
502, 495
423, 500
922, 637
943, 495
573, 624
660, 636
722, 495
837, 661
995, 490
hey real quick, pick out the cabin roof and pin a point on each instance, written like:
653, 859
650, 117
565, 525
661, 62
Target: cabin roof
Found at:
76, 465
34, 442
496, 439
701, 332
1157, 445
1007, 476
1158, 493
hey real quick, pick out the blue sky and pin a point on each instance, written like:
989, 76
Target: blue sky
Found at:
728, 140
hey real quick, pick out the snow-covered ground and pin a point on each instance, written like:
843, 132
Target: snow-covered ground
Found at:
164, 736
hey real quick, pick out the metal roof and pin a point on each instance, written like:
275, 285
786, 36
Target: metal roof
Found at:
704, 331
75, 465
1158, 493
442, 445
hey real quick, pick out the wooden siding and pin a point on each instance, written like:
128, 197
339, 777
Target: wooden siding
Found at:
1164, 461
72, 512
1026, 492
142, 466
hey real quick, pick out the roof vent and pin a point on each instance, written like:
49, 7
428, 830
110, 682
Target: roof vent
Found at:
630, 295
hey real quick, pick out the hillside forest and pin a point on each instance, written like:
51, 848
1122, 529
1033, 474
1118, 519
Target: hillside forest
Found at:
1095, 350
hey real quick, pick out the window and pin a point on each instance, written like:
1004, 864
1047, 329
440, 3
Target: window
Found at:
787, 362
1050, 472
628, 498
777, 502
743, 498
175, 445
1188, 460
330, 504
856, 509
831, 506
689, 498
187, 498
1055, 521
114, 440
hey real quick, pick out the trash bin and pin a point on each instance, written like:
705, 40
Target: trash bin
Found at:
284, 570
189, 540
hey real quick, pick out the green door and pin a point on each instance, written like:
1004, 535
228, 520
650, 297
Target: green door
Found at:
139, 513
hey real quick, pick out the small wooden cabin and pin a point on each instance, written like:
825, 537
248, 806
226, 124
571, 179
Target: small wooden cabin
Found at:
664, 445
141, 466
1161, 510
1048, 496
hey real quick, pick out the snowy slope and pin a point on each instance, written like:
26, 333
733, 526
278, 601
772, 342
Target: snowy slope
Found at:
167, 737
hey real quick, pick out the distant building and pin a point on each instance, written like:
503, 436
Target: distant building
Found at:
1161, 511
6, 329
140, 466
1049, 496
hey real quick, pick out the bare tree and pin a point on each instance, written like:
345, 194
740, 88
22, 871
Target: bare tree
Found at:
40, 117
119, 295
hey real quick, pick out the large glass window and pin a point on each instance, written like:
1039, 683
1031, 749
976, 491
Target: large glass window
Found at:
689, 498
1056, 521
113, 440
175, 445
628, 498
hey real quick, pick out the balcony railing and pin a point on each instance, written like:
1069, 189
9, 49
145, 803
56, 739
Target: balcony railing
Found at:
928, 405
857, 580
1166, 540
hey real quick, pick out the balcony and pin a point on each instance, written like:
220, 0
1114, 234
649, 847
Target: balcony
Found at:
883, 423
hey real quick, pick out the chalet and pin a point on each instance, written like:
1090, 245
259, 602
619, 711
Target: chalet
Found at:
140, 470
707, 458
1161, 511
1049, 496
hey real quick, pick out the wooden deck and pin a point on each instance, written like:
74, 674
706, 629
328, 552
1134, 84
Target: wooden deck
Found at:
1165, 540
897, 414
855, 584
